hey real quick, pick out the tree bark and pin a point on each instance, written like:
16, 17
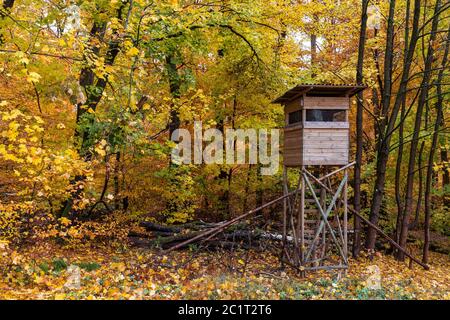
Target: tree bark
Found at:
383, 151
175, 91
116, 181
359, 131
415, 222
429, 178
445, 176
398, 167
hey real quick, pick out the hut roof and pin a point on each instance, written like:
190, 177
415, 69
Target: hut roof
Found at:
320, 90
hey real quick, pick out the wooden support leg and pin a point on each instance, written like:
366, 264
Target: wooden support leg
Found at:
302, 219
284, 215
345, 218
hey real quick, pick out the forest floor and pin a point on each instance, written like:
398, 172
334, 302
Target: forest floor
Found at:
49, 271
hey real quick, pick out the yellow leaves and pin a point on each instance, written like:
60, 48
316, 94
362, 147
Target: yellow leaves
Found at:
101, 69
23, 149
115, 23
42, 171
64, 221
119, 266
33, 77
60, 126
22, 58
74, 233
100, 148
38, 120
132, 52
140, 2
60, 296
13, 125
16, 258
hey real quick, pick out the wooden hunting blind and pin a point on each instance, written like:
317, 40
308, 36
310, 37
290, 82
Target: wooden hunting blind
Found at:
316, 140
316, 124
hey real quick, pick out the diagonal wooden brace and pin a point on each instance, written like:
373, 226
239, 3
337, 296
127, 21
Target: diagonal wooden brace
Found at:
325, 216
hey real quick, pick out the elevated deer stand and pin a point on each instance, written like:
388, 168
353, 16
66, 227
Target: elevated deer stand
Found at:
316, 145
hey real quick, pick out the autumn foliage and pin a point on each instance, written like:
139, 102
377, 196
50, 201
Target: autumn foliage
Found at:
91, 90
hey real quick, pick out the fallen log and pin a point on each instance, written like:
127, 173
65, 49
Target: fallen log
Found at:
214, 231
141, 242
165, 240
150, 226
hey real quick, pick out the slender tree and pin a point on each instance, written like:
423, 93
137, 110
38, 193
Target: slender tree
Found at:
359, 130
437, 125
398, 166
416, 131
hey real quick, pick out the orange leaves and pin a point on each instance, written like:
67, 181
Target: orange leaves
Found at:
113, 273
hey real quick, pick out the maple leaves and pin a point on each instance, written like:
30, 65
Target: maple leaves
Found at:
41, 173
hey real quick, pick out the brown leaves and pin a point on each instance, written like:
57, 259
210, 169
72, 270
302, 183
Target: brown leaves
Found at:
108, 273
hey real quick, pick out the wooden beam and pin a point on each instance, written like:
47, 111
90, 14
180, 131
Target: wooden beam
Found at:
300, 93
371, 225
335, 171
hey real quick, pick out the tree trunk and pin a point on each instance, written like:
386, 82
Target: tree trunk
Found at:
429, 178
445, 176
359, 131
247, 188
415, 222
175, 91
398, 167
116, 181
398, 173
383, 147
313, 54
259, 190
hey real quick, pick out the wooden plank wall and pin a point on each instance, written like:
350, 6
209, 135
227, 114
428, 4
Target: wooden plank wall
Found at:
316, 143
327, 103
292, 151
325, 146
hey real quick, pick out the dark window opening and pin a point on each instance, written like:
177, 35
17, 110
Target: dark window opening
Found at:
295, 117
316, 115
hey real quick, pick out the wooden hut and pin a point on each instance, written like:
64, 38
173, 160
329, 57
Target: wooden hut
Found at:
317, 127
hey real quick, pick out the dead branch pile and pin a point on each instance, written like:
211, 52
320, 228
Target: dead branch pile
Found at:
243, 235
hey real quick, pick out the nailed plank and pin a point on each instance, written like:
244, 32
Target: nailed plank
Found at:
326, 124
326, 102
320, 132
